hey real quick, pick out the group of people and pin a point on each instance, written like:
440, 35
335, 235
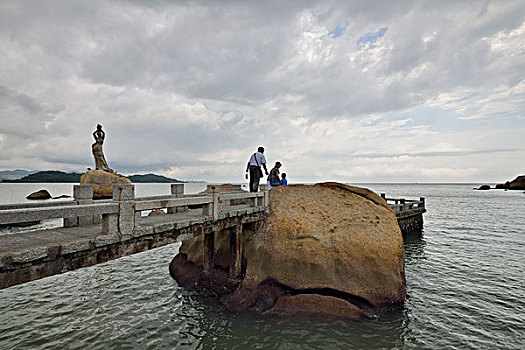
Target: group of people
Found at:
253, 168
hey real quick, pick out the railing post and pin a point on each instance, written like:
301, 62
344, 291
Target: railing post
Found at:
124, 195
422, 200
206, 209
82, 194
177, 190
215, 204
235, 251
266, 198
383, 195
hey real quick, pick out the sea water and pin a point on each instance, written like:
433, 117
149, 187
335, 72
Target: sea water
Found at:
465, 281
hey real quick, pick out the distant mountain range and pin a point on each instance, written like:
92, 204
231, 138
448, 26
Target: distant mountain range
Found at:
14, 174
54, 176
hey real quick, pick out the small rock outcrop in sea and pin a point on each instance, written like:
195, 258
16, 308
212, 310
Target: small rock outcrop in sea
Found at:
157, 212
103, 182
42, 194
516, 184
483, 188
327, 250
62, 196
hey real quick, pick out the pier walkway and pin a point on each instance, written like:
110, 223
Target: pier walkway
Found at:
102, 230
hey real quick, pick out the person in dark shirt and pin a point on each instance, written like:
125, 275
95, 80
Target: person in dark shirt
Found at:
273, 178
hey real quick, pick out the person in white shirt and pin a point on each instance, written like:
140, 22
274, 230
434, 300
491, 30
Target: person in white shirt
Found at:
254, 169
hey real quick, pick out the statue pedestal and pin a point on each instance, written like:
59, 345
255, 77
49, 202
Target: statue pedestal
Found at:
103, 182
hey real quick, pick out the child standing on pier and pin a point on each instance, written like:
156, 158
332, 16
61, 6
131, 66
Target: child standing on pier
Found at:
284, 181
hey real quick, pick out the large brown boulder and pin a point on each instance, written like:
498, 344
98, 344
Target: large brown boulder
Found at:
323, 247
103, 182
324, 250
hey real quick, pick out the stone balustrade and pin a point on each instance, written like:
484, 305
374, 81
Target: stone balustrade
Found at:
121, 214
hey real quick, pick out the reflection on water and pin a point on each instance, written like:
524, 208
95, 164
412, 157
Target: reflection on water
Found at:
464, 282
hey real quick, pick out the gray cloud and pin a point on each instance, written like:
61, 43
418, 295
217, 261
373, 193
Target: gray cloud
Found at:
195, 86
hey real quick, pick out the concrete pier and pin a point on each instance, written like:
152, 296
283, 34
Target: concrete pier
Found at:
122, 228
102, 230
409, 214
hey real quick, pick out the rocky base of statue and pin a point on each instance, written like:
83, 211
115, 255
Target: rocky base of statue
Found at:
103, 182
324, 251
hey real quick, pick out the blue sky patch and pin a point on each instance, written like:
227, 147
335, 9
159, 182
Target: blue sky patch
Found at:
371, 37
339, 30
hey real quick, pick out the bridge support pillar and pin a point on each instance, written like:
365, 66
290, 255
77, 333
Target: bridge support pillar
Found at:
235, 251
208, 250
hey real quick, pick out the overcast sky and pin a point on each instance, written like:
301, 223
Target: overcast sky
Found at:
353, 91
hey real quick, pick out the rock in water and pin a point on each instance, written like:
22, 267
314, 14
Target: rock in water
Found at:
103, 182
157, 212
62, 196
42, 194
516, 184
327, 250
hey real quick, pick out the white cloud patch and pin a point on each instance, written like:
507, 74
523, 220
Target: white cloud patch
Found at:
190, 89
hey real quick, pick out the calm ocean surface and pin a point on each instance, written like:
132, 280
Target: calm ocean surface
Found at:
465, 280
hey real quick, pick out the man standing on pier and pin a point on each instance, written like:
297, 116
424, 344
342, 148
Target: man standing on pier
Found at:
254, 168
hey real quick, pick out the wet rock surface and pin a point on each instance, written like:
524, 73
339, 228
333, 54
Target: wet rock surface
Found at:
327, 250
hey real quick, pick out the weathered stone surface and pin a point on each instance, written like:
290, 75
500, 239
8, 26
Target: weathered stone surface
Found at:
326, 250
27, 255
101, 241
42, 194
516, 184
103, 182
